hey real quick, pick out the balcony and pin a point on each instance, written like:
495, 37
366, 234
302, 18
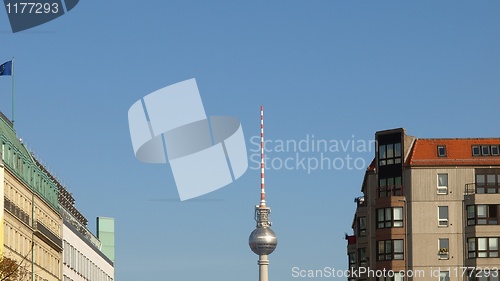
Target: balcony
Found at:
390, 190
475, 188
351, 239
16, 211
475, 194
45, 234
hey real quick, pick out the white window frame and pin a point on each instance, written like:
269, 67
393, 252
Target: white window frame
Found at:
476, 150
441, 148
444, 252
483, 147
443, 222
442, 188
444, 275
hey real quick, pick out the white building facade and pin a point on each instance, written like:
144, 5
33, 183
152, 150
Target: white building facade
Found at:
83, 257
82, 260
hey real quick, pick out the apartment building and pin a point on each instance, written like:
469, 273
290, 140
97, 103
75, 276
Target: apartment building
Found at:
32, 224
41, 229
429, 210
83, 254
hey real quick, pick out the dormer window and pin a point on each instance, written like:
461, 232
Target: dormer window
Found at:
494, 150
475, 150
442, 150
485, 150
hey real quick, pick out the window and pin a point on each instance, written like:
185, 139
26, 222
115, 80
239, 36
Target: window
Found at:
382, 155
443, 215
487, 183
384, 218
471, 215
443, 248
494, 150
390, 250
383, 189
482, 247
389, 154
482, 214
442, 150
491, 184
480, 183
390, 186
442, 186
352, 260
390, 217
362, 226
398, 217
362, 257
485, 150
444, 276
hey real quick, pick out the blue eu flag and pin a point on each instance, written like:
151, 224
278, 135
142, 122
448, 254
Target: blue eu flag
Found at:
6, 68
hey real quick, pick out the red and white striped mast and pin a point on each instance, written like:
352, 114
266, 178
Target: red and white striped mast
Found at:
262, 240
262, 163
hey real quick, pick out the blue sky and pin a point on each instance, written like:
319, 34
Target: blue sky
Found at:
333, 70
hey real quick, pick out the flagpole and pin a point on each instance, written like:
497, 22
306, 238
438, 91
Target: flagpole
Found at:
12, 76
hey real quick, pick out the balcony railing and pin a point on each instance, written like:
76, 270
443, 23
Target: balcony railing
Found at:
390, 190
475, 188
16, 211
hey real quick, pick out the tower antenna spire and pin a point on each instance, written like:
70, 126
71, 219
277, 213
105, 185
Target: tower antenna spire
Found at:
262, 240
262, 158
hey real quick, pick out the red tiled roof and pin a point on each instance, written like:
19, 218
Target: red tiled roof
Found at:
458, 152
372, 166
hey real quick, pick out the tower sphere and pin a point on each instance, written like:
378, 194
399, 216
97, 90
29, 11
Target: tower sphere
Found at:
263, 241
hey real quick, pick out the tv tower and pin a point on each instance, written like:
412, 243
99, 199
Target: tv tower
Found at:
262, 240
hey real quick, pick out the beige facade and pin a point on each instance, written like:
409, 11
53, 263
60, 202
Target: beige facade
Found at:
32, 228
430, 210
18, 232
32, 224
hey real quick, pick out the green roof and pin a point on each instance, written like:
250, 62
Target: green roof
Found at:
9, 134
20, 161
